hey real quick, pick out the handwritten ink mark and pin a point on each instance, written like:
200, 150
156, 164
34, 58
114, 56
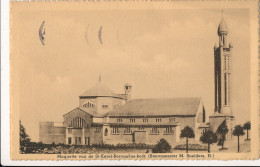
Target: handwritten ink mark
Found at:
100, 35
42, 32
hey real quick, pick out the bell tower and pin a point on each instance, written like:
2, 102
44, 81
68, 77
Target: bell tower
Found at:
223, 72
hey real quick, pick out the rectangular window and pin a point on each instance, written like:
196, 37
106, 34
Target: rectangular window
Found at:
69, 140
115, 131
171, 119
105, 106
145, 120
119, 120
158, 120
76, 141
127, 130
79, 140
168, 130
132, 120
97, 130
140, 128
154, 131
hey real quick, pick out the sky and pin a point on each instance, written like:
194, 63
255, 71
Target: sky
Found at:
161, 53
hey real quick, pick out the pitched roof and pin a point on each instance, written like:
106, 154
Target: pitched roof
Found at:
158, 107
217, 114
99, 90
90, 112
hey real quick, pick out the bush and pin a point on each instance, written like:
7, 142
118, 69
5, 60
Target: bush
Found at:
191, 147
162, 147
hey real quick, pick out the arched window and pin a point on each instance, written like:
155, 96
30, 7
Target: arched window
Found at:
106, 132
88, 105
77, 122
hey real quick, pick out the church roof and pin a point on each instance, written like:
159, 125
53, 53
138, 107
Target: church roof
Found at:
90, 112
99, 90
158, 107
217, 114
222, 28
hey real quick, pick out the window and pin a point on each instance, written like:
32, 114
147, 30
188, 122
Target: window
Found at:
119, 120
145, 120
69, 140
140, 128
97, 130
105, 106
76, 141
127, 130
79, 140
88, 105
77, 122
115, 131
116, 106
105, 133
132, 120
168, 130
158, 120
154, 131
171, 119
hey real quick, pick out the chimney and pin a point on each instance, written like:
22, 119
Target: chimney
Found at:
128, 88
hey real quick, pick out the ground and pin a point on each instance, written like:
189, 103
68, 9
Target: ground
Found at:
231, 146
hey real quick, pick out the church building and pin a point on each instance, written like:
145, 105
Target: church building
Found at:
105, 117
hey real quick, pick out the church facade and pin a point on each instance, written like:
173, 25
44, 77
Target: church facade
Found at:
105, 117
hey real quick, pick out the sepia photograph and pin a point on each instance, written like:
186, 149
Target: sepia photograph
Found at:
131, 83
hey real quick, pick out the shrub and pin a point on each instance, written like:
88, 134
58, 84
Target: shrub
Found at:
162, 147
191, 147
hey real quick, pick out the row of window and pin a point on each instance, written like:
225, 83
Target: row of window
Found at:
146, 120
77, 140
91, 105
154, 130
78, 122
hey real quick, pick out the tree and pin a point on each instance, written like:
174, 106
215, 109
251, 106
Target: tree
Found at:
222, 130
247, 126
24, 139
209, 137
162, 147
238, 131
188, 133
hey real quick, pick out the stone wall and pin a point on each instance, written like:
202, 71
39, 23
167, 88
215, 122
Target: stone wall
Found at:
48, 133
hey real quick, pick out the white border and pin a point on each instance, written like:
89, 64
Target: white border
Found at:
5, 117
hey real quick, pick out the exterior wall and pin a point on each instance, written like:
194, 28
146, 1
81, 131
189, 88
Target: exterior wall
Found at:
84, 100
48, 133
110, 101
96, 137
214, 122
141, 136
77, 113
98, 102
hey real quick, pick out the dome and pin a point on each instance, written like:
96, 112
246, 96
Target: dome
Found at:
222, 28
99, 90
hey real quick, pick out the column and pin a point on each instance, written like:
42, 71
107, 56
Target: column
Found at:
227, 78
222, 80
66, 136
83, 136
